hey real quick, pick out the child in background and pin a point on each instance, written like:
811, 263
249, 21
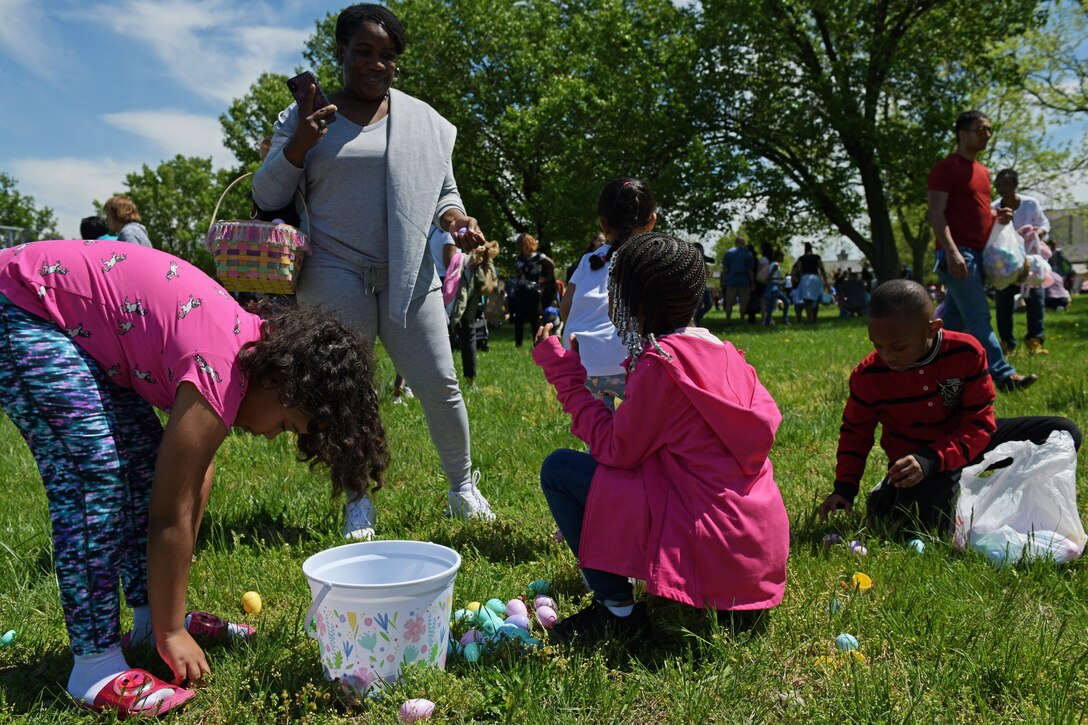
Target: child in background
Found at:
679, 491
92, 335
625, 208
930, 390
123, 219
772, 293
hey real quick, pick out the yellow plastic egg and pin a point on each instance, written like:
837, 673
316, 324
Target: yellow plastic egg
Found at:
473, 607
862, 582
251, 602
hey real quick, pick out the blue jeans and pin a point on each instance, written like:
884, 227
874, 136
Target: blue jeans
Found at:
1003, 304
771, 294
565, 477
967, 309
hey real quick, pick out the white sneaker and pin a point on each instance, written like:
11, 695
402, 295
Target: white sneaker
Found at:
359, 518
407, 392
399, 400
469, 504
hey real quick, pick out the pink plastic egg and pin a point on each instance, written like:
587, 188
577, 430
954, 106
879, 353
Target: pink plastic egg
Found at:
543, 601
521, 620
515, 607
546, 616
416, 709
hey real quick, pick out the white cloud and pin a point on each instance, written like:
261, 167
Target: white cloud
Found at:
176, 132
212, 47
29, 39
69, 186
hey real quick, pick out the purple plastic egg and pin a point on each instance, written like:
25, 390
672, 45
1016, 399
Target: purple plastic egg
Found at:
521, 620
543, 601
470, 636
546, 616
516, 606
416, 709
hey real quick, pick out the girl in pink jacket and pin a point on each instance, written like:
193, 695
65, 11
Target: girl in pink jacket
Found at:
679, 490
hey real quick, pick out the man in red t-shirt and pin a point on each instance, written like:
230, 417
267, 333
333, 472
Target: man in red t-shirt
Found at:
958, 193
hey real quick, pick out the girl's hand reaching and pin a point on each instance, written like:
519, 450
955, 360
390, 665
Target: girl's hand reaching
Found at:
573, 342
181, 652
543, 333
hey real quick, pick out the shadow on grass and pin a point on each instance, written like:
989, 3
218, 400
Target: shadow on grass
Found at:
38, 684
498, 542
227, 532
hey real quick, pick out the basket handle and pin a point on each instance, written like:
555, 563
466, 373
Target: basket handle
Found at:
325, 589
231, 185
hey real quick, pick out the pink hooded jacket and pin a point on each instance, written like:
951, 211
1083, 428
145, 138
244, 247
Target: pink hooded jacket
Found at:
684, 496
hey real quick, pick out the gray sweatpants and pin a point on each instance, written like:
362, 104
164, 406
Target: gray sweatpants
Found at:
420, 352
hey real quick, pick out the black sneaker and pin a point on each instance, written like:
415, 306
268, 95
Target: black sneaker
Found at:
596, 622
1016, 382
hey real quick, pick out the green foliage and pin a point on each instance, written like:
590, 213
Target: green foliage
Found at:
249, 119
947, 638
19, 210
841, 108
176, 201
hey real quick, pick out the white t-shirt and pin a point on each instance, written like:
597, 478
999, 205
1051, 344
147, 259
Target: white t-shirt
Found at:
599, 345
437, 242
1030, 212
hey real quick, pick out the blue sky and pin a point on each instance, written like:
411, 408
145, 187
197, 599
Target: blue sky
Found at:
96, 89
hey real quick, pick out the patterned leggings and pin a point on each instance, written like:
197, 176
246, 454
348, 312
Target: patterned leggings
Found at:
95, 444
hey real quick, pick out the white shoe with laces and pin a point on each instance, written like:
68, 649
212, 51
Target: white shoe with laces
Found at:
470, 503
359, 518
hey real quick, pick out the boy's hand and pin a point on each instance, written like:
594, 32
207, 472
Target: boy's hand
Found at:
181, 652
573, 342
834, 502
906, 472
543, 334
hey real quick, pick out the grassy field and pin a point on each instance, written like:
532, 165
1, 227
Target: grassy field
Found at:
946, 636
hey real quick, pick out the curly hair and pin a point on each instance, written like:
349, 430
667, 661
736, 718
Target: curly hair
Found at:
325, 369
656, 282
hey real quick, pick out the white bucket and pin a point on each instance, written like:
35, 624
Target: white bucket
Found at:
379, 606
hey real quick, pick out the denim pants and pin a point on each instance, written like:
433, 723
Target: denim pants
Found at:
967, 309
771, 294
565, 477
1003, 303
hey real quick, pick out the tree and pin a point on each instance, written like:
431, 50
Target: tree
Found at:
602, 91
250, 118
840, 108
176, 200
19, 210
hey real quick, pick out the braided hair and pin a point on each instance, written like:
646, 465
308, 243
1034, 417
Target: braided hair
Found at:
655, 283
624, 205
351, 18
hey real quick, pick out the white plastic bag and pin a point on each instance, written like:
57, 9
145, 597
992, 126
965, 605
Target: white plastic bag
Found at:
1004, 258
1027, 510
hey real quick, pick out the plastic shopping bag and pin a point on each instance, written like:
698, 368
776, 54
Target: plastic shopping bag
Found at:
1004, 258
1027, 510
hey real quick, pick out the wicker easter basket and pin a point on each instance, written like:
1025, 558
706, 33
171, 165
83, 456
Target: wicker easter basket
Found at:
256, 256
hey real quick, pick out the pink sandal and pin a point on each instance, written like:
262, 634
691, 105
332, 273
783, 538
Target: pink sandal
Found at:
131, 686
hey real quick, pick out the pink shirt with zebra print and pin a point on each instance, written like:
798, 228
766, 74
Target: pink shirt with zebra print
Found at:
149, 319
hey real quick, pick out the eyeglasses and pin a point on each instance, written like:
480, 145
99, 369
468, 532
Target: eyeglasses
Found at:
983, 131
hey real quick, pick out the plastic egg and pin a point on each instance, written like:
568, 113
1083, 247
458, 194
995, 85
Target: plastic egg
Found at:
831, 539
834, 606
546, 616
8, 639
470, 636
472, 652
508, 630
862, 582
496, 606
543, 601
917, 545
464, 615
516, 606
519, 620
416, 709
251, 602
825, 662
277, 220
846, 642
858, 548
539, 586
559, 536
489, 621
473, 607
855, 656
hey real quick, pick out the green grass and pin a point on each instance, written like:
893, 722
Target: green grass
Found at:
947, 638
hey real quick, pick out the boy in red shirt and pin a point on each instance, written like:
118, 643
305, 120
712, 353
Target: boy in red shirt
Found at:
931, 392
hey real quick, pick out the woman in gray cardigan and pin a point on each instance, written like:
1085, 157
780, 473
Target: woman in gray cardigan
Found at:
375, 181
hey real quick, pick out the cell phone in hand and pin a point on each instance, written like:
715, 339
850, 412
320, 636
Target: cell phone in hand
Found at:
300, 86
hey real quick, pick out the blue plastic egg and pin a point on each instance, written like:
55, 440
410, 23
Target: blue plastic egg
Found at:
917, 545
8, 639
539, 586
496, 605
464, 615
472, 652
846, 642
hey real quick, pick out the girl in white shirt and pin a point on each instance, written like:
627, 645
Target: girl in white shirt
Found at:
626, 209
